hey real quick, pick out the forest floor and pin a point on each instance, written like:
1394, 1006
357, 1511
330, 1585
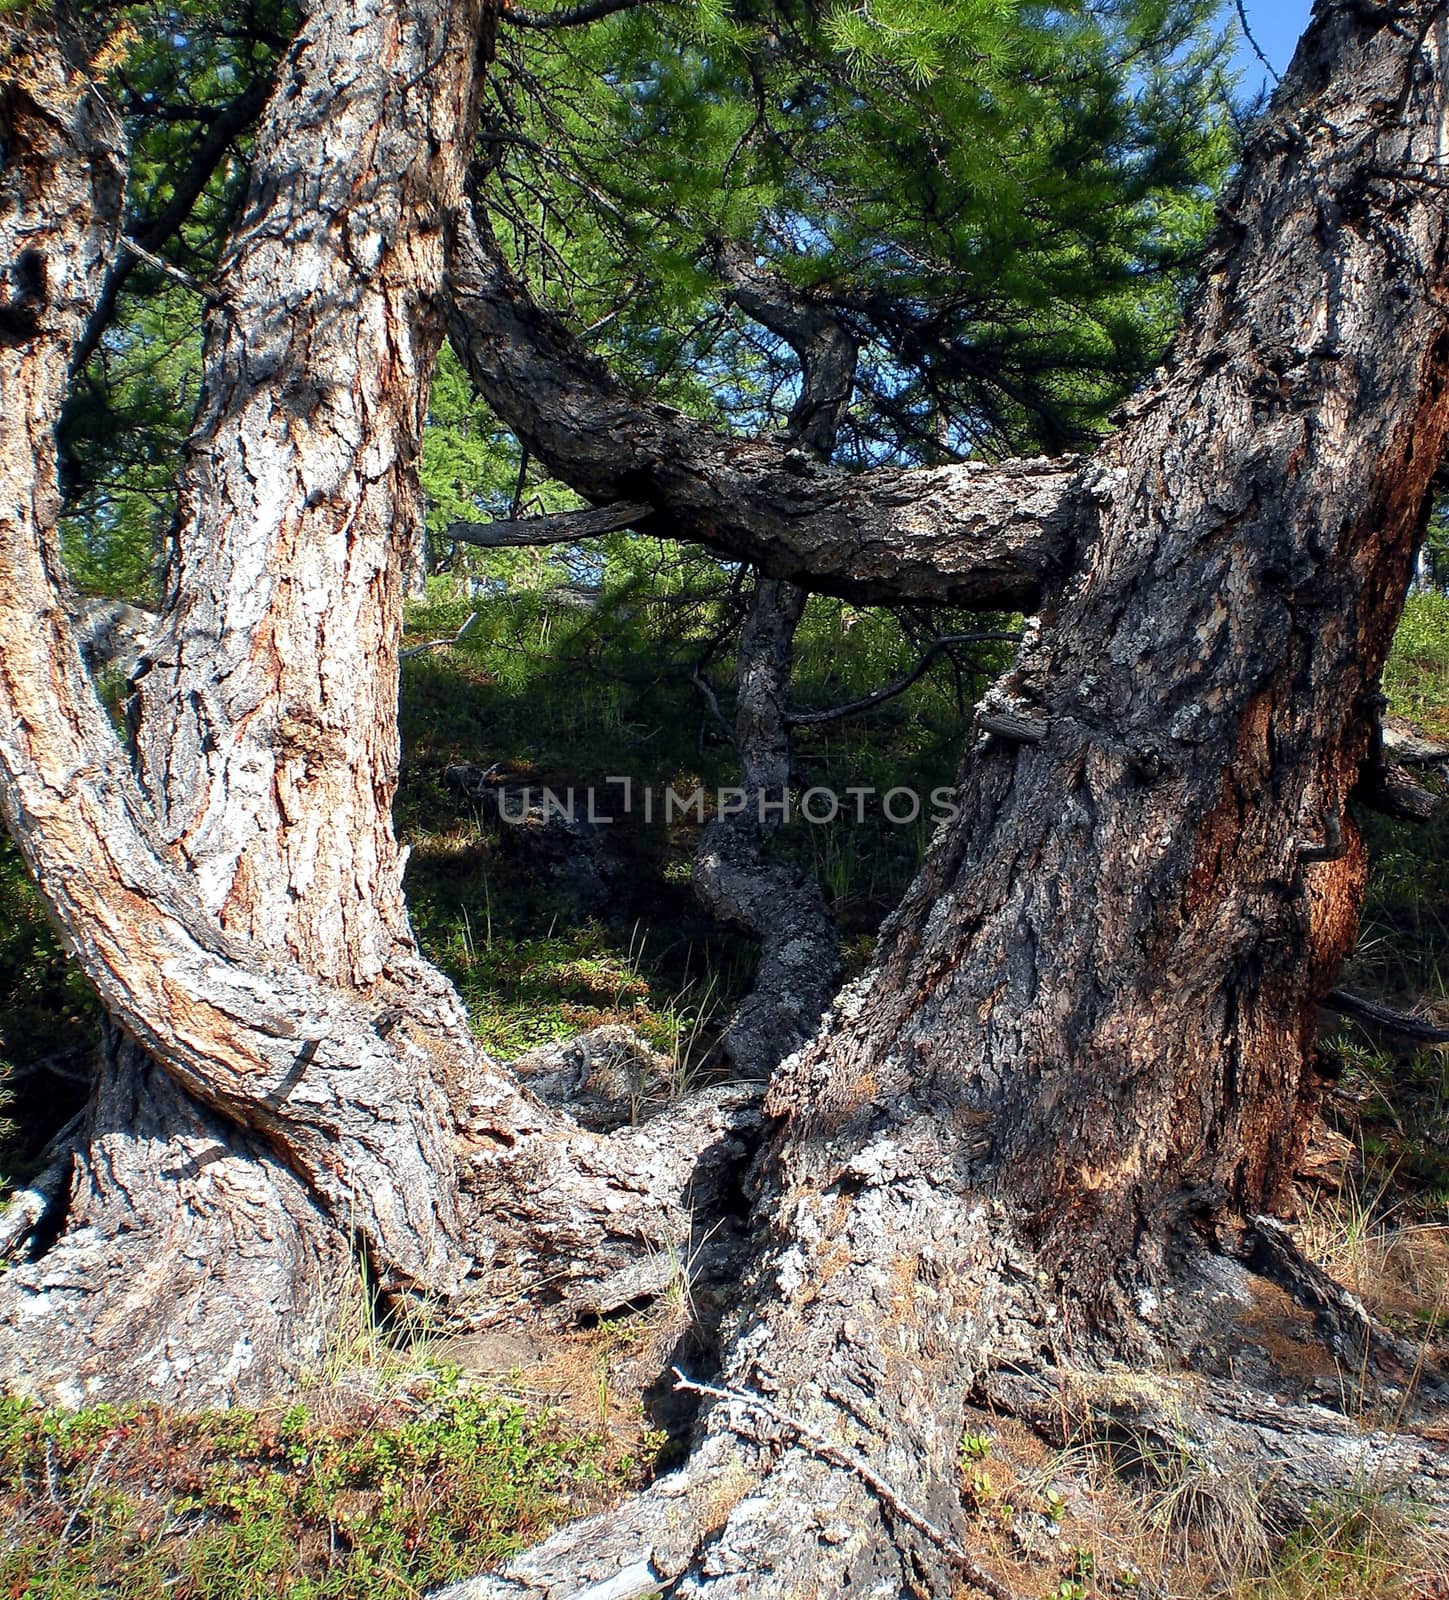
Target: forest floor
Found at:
408, 1458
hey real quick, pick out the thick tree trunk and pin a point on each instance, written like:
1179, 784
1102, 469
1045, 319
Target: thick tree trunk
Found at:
282, 1092
267, 734
1083, 1043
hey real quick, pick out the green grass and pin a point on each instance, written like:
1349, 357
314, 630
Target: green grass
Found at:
404, 1496
1363, 1547
48, 1014
1416, 677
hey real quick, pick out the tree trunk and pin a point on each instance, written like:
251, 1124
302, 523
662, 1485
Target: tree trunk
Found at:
1082, 1048
291, 1083
771, 900
267, 731
785, 910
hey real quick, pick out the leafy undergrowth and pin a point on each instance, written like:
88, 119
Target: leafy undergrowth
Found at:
1416, 678
399, 1496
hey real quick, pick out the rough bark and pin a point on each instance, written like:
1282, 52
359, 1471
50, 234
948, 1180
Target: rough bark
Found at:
269, 1105
267, 727
973, 534
1083, 1040
267, 730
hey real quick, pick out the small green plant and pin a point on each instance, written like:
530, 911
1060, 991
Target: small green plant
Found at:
975, 1446
1364, 1546
405, 1495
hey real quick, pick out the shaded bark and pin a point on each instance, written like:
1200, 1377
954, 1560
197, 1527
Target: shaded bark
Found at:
1083, 1040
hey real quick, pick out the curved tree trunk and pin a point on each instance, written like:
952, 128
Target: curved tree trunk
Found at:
774, 902
1083, 1043
291, 1082
799, 968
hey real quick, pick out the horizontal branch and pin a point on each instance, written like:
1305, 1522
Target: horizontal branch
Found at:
1401, 1024
559, 527
971, 534
571, 16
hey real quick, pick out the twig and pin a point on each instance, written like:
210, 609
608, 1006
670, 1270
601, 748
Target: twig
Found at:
1257, 48
85, 1493
810, 719
439, 644
208, 291
711, 699
851, 1461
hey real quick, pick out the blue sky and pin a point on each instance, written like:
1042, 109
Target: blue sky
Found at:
1276, 25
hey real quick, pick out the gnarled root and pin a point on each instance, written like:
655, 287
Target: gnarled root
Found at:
192, 1266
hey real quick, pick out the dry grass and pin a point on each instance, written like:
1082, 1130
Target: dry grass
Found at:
1396, 1265
1126, 1515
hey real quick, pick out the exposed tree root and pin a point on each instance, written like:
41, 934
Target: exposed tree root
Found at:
1227, 1440
812, 1491
194, 1267
1344, 1323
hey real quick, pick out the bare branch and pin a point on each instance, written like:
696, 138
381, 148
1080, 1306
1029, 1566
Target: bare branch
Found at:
1375, 1015
437, 644
560, 527
571, 17
811, 719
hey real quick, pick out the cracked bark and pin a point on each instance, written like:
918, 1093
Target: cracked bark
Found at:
1083, 1041
972, 535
